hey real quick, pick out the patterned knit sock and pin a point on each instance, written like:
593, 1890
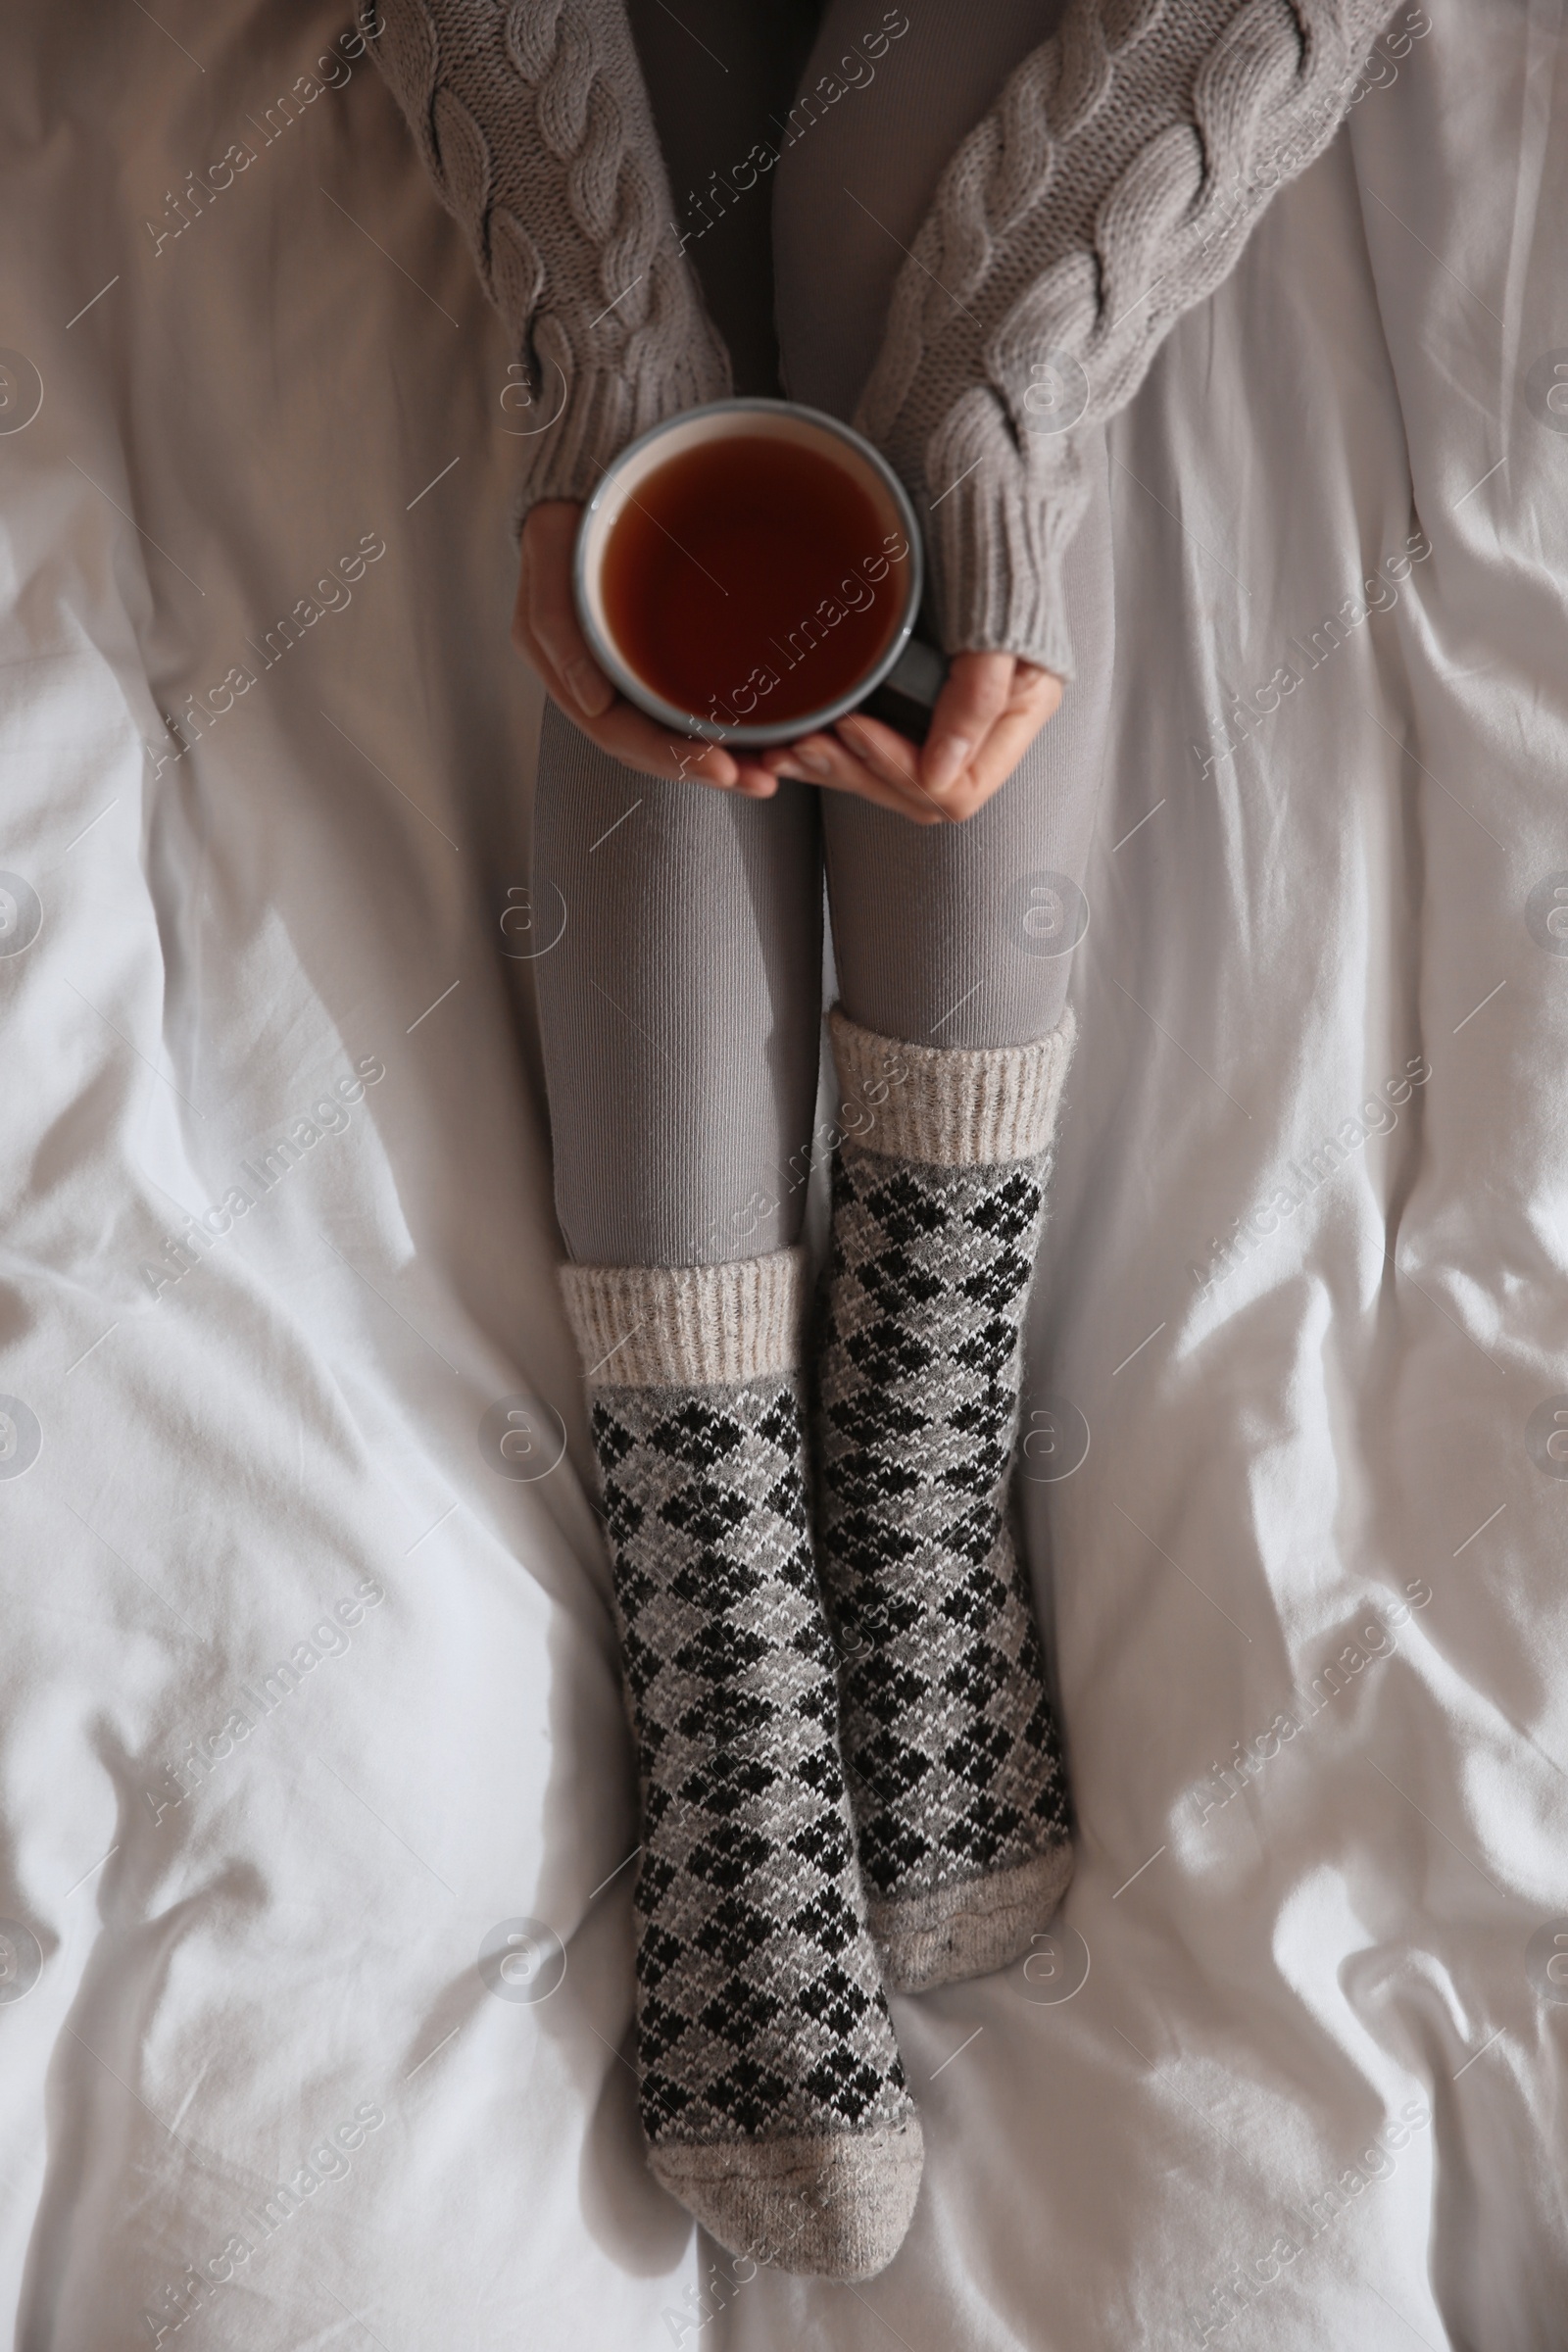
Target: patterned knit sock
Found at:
772, 2095
954, 1767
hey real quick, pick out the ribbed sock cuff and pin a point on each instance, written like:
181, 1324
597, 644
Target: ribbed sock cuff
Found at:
665, 1327
953, 1108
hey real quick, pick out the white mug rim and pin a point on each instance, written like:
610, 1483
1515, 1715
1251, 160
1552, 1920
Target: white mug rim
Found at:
757, 736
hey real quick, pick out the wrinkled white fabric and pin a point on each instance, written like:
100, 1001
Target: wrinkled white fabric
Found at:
1310, 2092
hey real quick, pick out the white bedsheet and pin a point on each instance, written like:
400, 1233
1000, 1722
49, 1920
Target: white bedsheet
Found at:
1311, 2091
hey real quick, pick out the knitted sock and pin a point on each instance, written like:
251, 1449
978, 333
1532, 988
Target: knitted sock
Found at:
954, 1766
772, 2095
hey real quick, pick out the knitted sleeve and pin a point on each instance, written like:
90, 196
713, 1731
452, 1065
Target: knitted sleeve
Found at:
1112, 188
533, 121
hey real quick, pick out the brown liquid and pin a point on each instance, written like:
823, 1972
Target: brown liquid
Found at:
750, 579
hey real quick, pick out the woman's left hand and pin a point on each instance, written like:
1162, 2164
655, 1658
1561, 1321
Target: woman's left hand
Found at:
990, 711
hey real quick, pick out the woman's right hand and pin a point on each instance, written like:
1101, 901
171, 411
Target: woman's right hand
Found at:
545, 632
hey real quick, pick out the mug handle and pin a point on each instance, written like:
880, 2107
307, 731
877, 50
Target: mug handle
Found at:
906, 696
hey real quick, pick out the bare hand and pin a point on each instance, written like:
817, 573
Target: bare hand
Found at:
989, 712
545, 632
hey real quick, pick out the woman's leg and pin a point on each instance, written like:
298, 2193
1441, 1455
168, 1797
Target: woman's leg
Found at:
962, 936
678, 1008
951, 949
856, 178
679, 1019
679, 1013
719, 73
957, 943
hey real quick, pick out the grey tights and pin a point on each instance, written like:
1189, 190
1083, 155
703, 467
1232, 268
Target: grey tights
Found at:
680, 1007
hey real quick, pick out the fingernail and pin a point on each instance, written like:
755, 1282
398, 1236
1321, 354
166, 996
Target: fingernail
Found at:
945, 761
591, 689
856, 737
817, 763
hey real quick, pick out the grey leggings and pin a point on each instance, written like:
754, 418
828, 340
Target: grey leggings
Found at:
681, 1005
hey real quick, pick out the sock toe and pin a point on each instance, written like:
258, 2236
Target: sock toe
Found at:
831, 2206
940, 1934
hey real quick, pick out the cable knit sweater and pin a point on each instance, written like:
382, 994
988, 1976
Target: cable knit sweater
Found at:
1110, 187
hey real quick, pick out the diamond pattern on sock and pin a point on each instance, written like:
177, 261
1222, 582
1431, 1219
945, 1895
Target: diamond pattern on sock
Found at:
953, 1760
760, 2007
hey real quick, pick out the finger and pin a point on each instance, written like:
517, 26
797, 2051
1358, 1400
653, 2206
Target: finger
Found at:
638, 743
998, 756
1039, 689
535, 556
521, 638
550, 537
973, 699
1035, 698
623, 731
887, 755
891, 756
877, 756
824, 761
535, 655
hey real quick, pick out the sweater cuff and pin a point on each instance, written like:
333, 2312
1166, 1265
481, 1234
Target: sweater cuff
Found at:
995, 542
572, 452
591, 413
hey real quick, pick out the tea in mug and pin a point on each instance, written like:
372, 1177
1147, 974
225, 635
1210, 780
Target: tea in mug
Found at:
751, 579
